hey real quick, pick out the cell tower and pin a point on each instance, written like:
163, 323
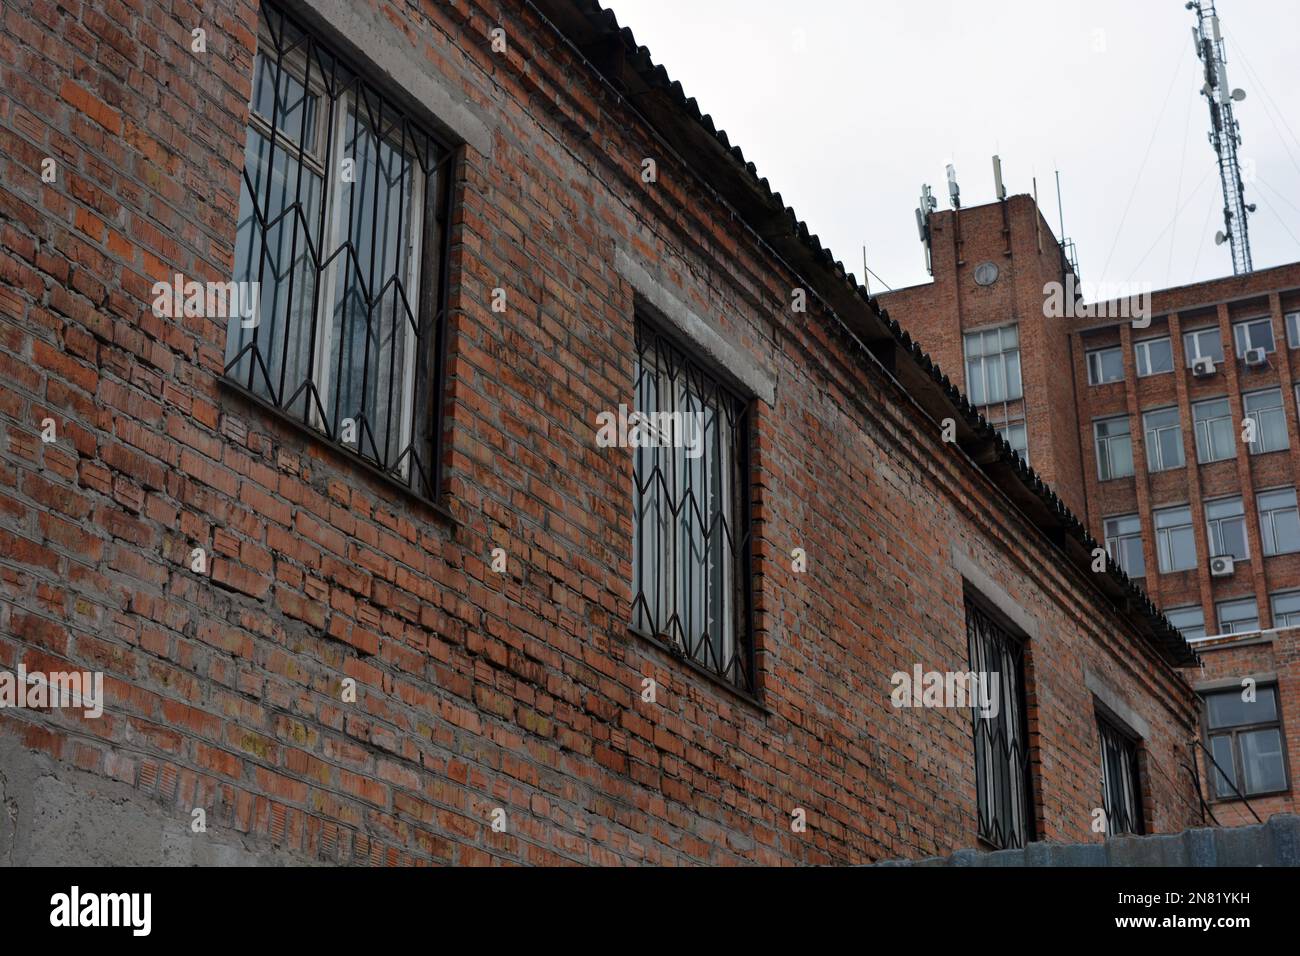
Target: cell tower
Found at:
1225, 134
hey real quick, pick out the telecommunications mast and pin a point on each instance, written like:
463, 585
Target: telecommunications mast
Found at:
1225, 134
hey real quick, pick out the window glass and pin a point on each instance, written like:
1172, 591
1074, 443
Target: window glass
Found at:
1279, 522
1105, 365
1164, 439
1265, 421
1190, 621
1154, 356
1254, 334
1114, 448
1202, 343
1238, 617
347, 315
689, 518
1175, 539
1286, 609
1216, 438
1124, 544
993, 366
1227, 528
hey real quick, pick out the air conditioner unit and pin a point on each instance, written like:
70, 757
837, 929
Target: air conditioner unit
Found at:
1255, 357
1222, 567
1203, 367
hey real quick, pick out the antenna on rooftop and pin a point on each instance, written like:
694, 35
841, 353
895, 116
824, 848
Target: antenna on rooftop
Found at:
928, 205
1069, 254
1225, 133
954, 192
999, 189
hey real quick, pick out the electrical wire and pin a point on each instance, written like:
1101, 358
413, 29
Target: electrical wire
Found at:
1145, 156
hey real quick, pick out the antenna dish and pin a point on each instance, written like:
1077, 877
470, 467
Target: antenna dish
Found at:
1238, 95
1220, 238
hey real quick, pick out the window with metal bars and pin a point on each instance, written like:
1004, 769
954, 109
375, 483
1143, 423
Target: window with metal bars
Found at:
343, 215
691, 530
1004, 790
1120, 787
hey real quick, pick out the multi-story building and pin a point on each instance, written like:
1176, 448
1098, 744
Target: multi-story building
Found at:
363, 546
1169, 426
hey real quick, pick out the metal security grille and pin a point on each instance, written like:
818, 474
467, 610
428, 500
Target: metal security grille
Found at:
342, 241
1121, 797
1004, 794
691, 532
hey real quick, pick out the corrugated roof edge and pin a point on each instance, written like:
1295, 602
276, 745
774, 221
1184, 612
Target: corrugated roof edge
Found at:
1130, 600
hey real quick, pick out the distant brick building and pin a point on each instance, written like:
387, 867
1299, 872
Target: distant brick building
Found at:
1170, 435
366, 576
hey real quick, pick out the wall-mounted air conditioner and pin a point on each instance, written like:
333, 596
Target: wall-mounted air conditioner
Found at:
1203, 367
1255, 357
1222, 566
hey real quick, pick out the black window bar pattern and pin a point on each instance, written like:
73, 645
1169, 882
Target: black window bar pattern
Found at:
691, 529
1121, 794
342, 245
1003, 787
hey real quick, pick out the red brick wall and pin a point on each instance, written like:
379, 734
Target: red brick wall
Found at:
1009, 235
479, 690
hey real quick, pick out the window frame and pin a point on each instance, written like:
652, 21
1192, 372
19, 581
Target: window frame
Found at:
739, 581
1272, 605
1278, 410
1142, 355
1186, 608
1117, 551
1208, 432
1214, 530
1291, 321
1164, 536
995, 636
415, 414
1116, 741
1241, 335
1233, 731
983, 361
1155, 449
1267, 522
1095, 365
1106, 473
1193, 336
1218, 616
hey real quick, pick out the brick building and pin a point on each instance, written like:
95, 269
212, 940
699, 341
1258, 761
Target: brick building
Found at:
1170, 434
362, 542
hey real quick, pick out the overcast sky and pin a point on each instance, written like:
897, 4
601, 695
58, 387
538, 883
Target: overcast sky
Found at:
847, 106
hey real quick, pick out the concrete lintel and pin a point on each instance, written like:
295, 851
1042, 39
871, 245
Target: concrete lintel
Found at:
369, 37
993, 592
721, 352
1116, 704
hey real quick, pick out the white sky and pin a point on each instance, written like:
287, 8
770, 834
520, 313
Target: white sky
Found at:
847, 106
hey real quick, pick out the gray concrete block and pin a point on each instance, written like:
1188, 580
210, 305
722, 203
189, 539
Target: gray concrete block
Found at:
1243, 846
1199, 845
1004, 858
1285, 832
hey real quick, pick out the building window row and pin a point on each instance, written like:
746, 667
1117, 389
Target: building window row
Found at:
1004, 787
1263, 430
1154, 356
1225, 532
1236, 616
